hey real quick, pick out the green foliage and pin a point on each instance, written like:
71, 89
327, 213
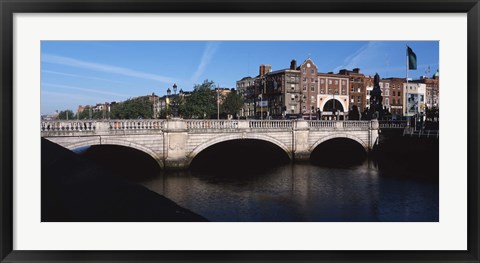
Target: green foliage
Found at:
232, 103
133, 109
202, 102
63, 115
89, 113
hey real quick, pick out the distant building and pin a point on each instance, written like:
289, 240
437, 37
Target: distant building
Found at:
357, 87
396, 95
414, 98
432, 89
295, 90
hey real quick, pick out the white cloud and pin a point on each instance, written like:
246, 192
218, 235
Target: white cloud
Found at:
207, 56
365, 55
84, 90
49, 58
78, 76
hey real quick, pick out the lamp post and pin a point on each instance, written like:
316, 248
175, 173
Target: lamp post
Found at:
218, 102
175, 106
168, 99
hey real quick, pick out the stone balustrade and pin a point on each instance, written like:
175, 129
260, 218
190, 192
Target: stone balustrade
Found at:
211, 124
68, 126
137, 125
270, 124
122, 125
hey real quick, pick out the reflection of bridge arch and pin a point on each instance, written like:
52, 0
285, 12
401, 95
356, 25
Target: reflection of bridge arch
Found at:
237, 136
95, 141
340, 136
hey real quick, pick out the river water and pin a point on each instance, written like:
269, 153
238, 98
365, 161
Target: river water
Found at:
302, 192
253, 181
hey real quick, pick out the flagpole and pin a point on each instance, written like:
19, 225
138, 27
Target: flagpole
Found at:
406, 87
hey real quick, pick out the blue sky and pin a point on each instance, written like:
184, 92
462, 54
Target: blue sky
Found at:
88, 72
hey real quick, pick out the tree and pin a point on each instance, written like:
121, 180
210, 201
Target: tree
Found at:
63, 115
202, 101
233, 103
135, 108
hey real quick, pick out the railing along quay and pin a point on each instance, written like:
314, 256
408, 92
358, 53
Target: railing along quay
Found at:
392, 124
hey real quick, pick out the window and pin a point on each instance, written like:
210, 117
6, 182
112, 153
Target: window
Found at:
386, 102
352, 100
293, 87
336, 82
312, 80
344, 91
312, 98
304, 70
305, 87
293, 97
336, 91
329, 90
387, 93
359, 99
358, 89
399, 93
352, 89
322, 81
344, 83
329, 81
304, 79
312, 87
322, 90
312, 71
292, 78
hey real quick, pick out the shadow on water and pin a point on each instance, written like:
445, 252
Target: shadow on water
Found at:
338, 153
237, 160
124, 162
407, 157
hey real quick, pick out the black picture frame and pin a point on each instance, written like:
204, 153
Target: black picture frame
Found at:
10, 7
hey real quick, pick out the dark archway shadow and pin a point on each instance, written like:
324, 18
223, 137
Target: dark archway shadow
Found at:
338, 152
238, 158
124, 162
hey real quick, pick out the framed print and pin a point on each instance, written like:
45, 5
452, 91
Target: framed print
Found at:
239, 131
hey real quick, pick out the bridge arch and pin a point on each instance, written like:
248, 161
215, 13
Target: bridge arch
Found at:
230, 137
340, 135
136, 146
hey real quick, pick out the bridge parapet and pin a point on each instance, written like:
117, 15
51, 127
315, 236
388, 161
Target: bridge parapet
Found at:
173, 143
59, 126
79, 126
137, 124
341, 125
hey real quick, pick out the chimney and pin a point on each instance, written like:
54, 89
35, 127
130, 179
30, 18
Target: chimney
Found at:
293, 64
356, 70
262, 70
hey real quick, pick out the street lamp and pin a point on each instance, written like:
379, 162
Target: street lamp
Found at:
174, 107
218, 102
168, 98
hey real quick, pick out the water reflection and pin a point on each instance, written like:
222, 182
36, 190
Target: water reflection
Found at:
301, 192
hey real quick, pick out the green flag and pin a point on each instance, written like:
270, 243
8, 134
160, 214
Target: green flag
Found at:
412, 59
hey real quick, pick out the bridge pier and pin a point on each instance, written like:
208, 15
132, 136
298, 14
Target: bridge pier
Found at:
175, 137
301, 151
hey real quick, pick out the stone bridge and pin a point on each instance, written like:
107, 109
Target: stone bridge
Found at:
174, 143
